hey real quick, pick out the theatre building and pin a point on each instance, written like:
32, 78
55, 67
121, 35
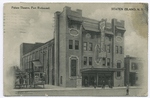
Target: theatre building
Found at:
82, 49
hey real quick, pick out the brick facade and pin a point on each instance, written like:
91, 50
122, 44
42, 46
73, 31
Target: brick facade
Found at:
82, 49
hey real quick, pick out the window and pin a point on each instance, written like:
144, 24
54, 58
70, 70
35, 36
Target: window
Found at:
118, 74
90, 60
73, 67
90, 46
116, 49
120, 49
134, 66
108, 48
85, 60
76, 45
104, 60
70, 44
33, 56
108, 61
85, 46
118, 65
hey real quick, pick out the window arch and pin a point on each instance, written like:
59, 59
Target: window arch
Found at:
73, 66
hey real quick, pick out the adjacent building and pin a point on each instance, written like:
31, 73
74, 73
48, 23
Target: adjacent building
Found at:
83, 49
133, 66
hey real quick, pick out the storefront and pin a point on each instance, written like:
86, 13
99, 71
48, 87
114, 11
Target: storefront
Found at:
98, 75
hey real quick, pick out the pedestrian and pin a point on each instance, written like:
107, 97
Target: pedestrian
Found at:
127, 91
109, 83
103, 82
95, 83
86, 82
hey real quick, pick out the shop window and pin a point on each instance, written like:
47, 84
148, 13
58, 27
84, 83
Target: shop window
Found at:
108, 48
70, 44
118, 74
120, 49
90, 46
117, 50
76, 45
85, 46
90, 60
73, 67
85, 60
108, 61
118, 65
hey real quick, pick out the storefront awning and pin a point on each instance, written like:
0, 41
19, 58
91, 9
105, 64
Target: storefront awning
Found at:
101, 69
79, 19
37, 63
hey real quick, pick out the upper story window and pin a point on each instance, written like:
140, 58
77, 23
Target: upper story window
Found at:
134, 66
117, 49
73, 67
108, 61
85, 60
120, 49
33, 55
90, 60
108, 48
104, 60
70, 44
76, 45
90, 46
85, 46
118, 65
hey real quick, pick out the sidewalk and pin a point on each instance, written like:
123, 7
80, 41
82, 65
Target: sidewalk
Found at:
51, 87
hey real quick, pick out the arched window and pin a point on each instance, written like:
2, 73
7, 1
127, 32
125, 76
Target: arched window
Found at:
73, 67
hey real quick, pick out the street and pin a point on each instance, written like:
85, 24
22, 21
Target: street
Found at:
80, 92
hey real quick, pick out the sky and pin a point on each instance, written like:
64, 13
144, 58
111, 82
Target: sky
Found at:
37, 25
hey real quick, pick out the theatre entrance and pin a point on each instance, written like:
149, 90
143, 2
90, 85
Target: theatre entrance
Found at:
89, 78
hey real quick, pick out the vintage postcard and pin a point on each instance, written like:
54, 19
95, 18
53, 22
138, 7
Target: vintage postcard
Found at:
75, 49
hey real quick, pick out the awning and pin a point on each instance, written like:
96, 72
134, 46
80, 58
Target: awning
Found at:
37, 63
88, 28
79, 19
101, 69
120, 28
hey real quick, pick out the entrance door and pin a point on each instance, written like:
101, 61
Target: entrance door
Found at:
104, 76
92, 77
100, 79
85, 80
